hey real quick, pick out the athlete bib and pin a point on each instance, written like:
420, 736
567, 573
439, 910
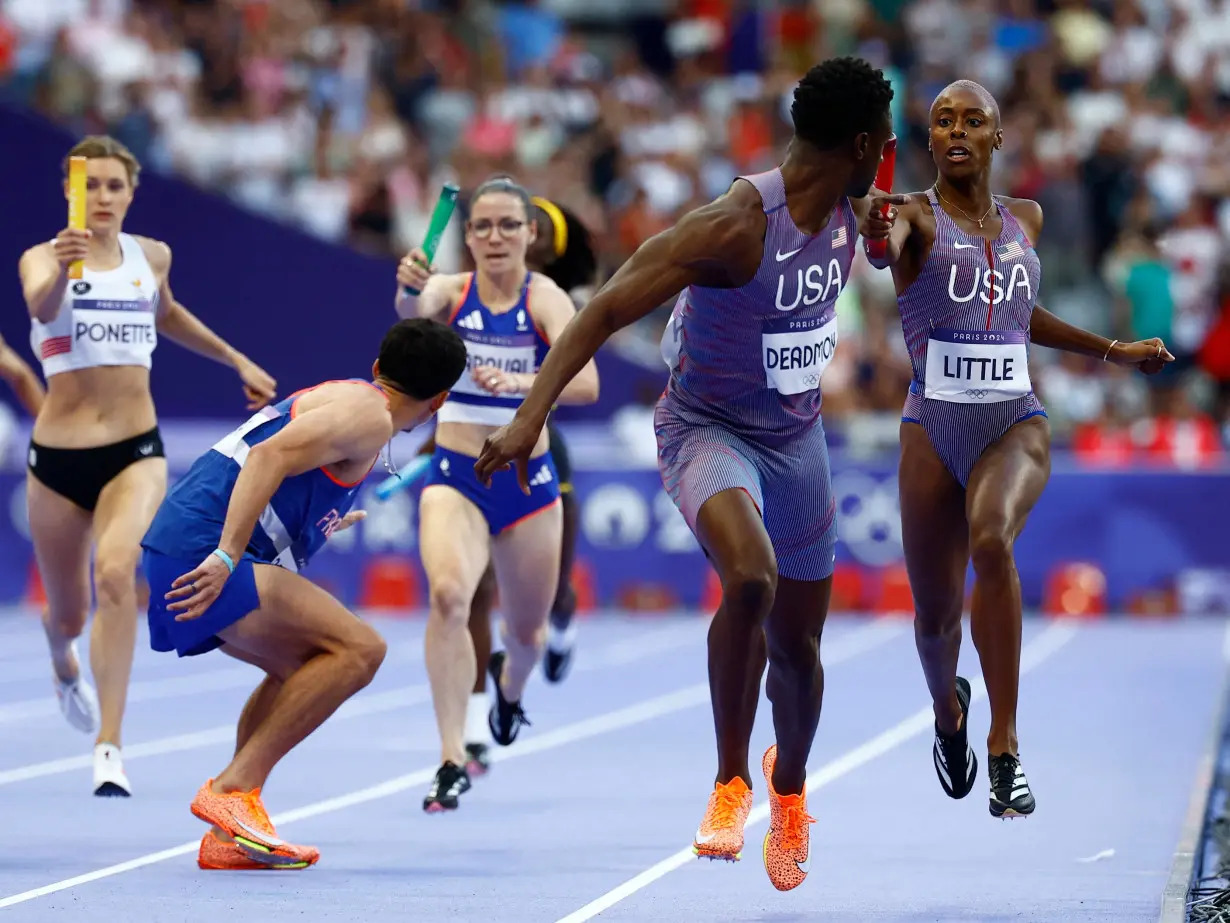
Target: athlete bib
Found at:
796, 353
977, 366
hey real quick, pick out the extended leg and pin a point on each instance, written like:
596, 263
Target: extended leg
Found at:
477, 736
322, 655
455, 540
526, 560
935, 537
1002, 490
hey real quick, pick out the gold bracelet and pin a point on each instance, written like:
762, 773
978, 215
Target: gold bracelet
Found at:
1108, 349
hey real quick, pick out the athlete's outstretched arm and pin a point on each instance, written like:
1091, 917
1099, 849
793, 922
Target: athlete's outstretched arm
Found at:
353, 424
1045, 329
21, 378
717, 245
181, 326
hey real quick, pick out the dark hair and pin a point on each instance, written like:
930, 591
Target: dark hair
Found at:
508, 185
422, 357
838, 99
578, 264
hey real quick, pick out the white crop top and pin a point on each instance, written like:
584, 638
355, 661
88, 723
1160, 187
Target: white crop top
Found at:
106, 318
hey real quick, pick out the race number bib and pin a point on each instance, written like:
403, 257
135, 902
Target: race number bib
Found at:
796, 352
977, 366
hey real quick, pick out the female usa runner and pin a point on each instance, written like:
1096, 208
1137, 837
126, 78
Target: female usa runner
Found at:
975, 440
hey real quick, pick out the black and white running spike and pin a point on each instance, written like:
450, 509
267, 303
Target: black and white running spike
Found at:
558, 653
450, 783
1010, 794
505, 718
478, 759
955, 763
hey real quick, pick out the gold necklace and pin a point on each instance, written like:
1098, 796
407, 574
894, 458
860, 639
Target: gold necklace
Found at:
977, 221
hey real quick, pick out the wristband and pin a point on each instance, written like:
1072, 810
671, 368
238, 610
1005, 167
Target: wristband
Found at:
226, 559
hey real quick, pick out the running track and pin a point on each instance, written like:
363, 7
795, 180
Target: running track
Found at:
592, 811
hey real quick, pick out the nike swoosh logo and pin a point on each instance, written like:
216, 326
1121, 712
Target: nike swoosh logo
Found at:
785, 256
702, 838
805, 865
260, 836
965, 246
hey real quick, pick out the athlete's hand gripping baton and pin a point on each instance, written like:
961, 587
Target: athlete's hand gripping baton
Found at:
878, 249
440, 217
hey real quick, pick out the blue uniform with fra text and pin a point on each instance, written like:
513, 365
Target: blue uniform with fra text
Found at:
303, 513
511, 341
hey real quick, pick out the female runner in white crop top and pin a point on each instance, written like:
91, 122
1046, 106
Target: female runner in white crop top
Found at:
96, 465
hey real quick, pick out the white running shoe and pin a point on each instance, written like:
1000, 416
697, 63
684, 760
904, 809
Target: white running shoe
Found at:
110, 780
78, 701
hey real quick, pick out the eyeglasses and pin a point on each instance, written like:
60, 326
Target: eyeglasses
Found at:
508, 227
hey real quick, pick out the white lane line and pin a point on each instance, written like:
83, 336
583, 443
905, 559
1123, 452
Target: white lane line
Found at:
842, 649
656, 641
1052, 639
239, 676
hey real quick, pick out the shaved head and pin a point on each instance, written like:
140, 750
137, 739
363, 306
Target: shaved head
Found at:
975, 89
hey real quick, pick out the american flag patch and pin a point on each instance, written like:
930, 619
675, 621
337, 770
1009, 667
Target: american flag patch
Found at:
839, 237
1010, 251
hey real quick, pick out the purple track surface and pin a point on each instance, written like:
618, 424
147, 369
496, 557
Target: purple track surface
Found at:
592, 811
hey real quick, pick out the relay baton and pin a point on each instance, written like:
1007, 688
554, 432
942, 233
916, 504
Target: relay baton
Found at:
403, 479
76, 206
878, 249
439, 221
440, 218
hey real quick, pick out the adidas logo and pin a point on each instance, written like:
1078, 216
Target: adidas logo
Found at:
472, 321
542, 477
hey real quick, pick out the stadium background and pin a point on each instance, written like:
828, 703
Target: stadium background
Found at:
293, 149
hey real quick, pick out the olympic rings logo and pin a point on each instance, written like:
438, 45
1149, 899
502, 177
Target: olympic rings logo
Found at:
977, 393
868, 517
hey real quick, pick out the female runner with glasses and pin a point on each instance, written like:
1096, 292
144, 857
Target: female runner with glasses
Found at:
508, 317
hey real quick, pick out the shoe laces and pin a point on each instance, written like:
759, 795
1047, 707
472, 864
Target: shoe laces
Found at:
954, 747
727, 803
1003, 771
794, 823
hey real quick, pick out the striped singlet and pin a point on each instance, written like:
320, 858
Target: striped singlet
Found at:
966, 325
742, 407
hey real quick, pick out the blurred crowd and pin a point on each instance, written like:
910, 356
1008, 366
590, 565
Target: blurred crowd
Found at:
345, 116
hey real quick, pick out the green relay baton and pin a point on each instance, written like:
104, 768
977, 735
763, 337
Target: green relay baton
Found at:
440, 217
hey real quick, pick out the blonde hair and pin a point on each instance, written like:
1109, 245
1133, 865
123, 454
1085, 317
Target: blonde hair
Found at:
99, 147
